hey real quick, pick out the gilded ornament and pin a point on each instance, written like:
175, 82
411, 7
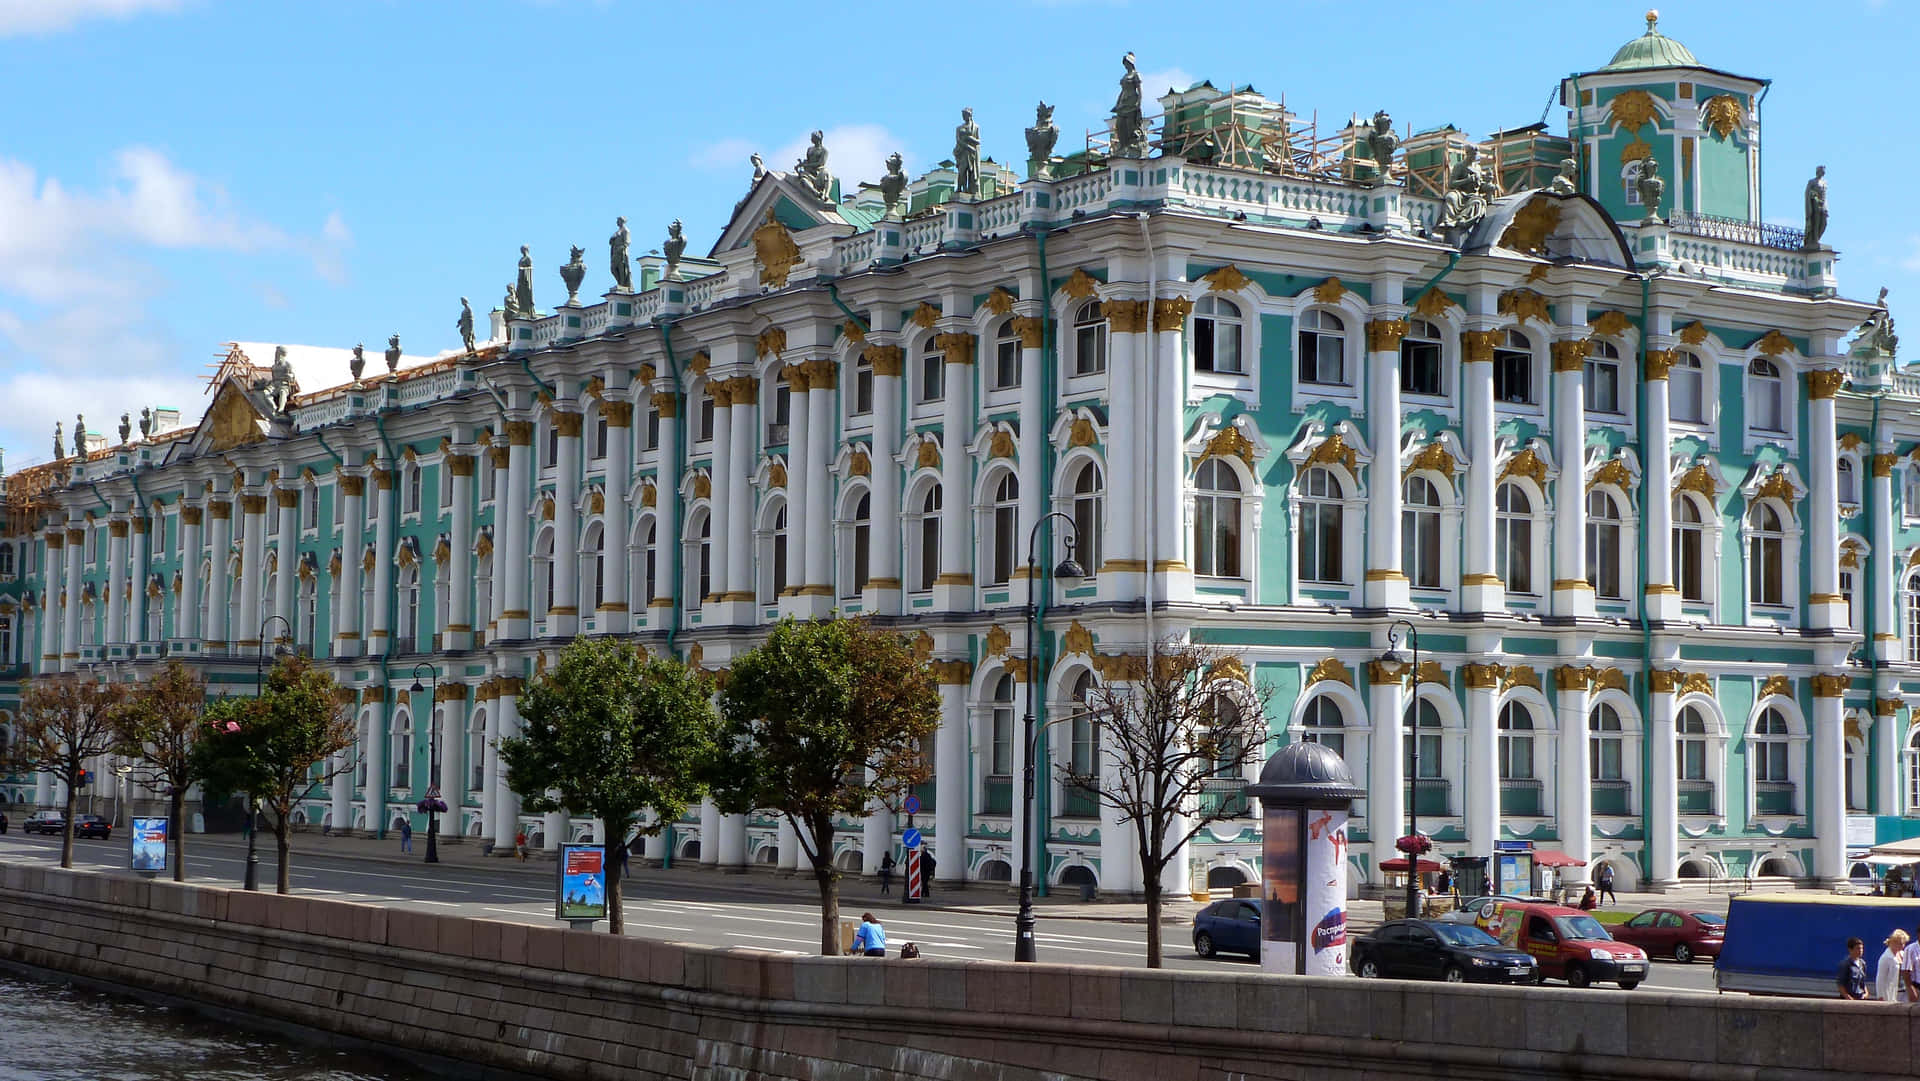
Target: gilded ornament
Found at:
853, 331
1525, 304
1824, 382
1637, 150
1612, 472
1001, 446
1482, 677
1610, 324
702, 486
1383, 335
546, 508
1227, 279
1228, 441
1126, 316
1724, 115
1776, 486
1693, 333
1886, 707
1080, 285
1170, 313
1632, 109
1433, 457
1829, 686
1569, 678
1077, 640
859, 464
999, 301
1776, 685
1082, 433
776, 476
997, 641
1476, 346
886, 359
1659, 364
1571, 356
1032, 331
699, 363
1699, 479
1696, 683
1231, 668
1883, 464
952, 673
1433, 304
958, 347
1530, 228
922, 644
1663, 681
442, 550
1609, 679
771, 342
1330, 291
649, 494
924, 316
1525, 463
928, 456
1519, 675
1773, 343
774, 249
1334, 449
1850, 555
1332, 669
367, 560
1851, 441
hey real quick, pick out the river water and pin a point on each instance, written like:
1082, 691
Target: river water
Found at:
51, 1032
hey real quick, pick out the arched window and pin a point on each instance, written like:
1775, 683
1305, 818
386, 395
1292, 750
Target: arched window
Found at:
597, 545
1216, 336
859, 545
1006, 529
1602, 387
1766, 555
861, 401
1606, 760
363, 741
310, 506
650, 578
1006, 356
1089, 339
1089, 497
1420, 371
1000, 763
1849, 482
543, 598
1324, 724
306, 622
1085, 753
1216, 520
1520, 788
598, 450
1323, 348
1849, 563
1687, 389
482, 595
1513, 538
774, 580
1767, 749
1689, 548
1513, 369
1321, 540
412, 489
1420, 532
1429, 748
699, 563
400, 760
933, 371
923, 527
1603, 545
553, 445
780, 412
1913, 619
1766, 396
408, 620
1913, 768
1690, 759
705, 429
477, 750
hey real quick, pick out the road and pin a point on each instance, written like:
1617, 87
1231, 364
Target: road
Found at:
697, 907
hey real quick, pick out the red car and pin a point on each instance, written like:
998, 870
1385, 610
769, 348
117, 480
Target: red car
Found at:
1680, 933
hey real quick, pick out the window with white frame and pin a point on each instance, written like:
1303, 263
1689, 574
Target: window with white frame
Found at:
923, 531
933, 372
1006, 529
598, 449
597, 569
1768, 746
1420, 362
1323, 723
699, 562
1687, 389
1689, 549
858, 550
1084, 755
704, 432
1006, 357
1217, 329
1606, 757
1216, 520
477, 751
773, 557
1420, 532
1429, 737
653, 427
1602, 386
1766, 396
780, 415
1513, 538
1766, 555
1913, 768
1690, 759
1513, 369
1847, 594
489, 478
310, 506
543, 599
1000, 737
1912, 599
862, 399
551, 448
409, 615
1848, 483
412, 493
1630, 182
1323, 348
650, 565
1322, 539
1089, 498
1089, 339
1603, 545
1516, 743
307, 622
400, 764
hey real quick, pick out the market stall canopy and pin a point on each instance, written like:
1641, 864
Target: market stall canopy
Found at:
1552, 858
1895, 852
1399, 864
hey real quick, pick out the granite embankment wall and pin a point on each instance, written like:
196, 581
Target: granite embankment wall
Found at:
565, 1004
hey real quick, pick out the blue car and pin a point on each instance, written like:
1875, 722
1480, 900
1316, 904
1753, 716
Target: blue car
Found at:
1228, 927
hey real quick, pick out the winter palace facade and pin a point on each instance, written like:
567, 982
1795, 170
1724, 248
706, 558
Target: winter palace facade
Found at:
1645, 483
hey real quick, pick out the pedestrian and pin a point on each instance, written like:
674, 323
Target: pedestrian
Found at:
871, 939
406, 836
625, 854
1605, 882
3, 822
1589, 900
520, 845
1886, 982
1852, 976
1909, 958
886, 873
926, 872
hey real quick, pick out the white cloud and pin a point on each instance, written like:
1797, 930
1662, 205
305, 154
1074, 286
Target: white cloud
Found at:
725, 154
1912, 259
1155, 83
48, 16
329, 250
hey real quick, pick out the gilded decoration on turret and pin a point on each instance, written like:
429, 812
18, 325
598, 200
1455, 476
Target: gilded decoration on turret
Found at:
1529, 229
1525, 304
774, 249
1631, 110
1724, 115
1227, 279
1332, 669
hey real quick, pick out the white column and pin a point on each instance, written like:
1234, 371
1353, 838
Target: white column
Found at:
458, 634
876, 835
287, 502
787, 856
76, 556
883, 592
1119, 835
1387, 585
353, 520
737, 526
186, 616
1826, 608
733, 843
1662, 592
51, 615
512, 572
219, 581
504, 722
709, 833
1882, 563
563, 613
1886, 756
1386, 796
801, 467
1164, 427
340, 792
380, 620
1032, 447
374, 792
253, 558
1827, 790
1482, 779
138, 570
1020, 845
1121, 560
817, 547
953, 791
953, 588
487, 698
1572, 593
617, 520
451, 712
1573, 802
666, 511
1480, 588
116, 626
554, 829
721, 521
1661, 790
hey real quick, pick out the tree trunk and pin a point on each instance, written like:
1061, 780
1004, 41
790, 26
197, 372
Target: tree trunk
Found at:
1154, 946
66, 835
176, 811
283, 844
616, 922
829, 908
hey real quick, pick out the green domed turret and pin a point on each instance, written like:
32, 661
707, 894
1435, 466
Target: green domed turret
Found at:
1652, 50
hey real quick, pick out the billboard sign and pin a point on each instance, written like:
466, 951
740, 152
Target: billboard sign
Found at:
582, 889
147, 853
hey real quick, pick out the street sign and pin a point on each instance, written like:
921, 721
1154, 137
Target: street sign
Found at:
912, 805
911, 839
915, 888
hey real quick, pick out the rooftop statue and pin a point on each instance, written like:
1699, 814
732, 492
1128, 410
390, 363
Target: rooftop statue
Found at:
146, 422
280, 383
59, 442
894, 184
813, 169
510, 307
1381, 143
466, 325
675, 247
1040, 139
1816, 207
1651, 187
1129, 125
1876, 336
573, 272
617, 256
523, 286
1467, 192
1567, 180
966, 155
393, 354
126, 429
759, 167
358, 365
79, 435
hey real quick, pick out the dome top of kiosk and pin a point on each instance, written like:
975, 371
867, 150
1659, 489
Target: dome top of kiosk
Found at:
1304, 773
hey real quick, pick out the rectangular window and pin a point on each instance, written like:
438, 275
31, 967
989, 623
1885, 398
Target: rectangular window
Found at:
933, 370
1322, 358
862, 388
1602, 386
1603, 558
1686, 402
1002, 764
653, 428
706, 417
1006, 364
599, 436
1513, 376
1420, 368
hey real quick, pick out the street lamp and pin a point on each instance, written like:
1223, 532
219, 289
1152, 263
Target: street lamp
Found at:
1069, 574
252, 880
1392, 657
433, 805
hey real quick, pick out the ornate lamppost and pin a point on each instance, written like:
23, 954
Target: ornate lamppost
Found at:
1069, 574
1411, 722
252, 879
433, 805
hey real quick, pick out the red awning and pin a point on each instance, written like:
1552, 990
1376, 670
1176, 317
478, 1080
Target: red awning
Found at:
1399, 864
1552, 858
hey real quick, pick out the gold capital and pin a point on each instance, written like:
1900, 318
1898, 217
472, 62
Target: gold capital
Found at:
520, 433
567, 424
1824, 383
1383, 335
1170, 313
460, 465
886, 359
1032, 331
618, 414
1126, 316
1476, 346
1571, 356
1883, 464
1658, 364
958, 347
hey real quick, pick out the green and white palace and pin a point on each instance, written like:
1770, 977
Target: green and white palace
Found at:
1644, 479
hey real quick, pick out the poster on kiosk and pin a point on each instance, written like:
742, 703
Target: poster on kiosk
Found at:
582, 896
147, 853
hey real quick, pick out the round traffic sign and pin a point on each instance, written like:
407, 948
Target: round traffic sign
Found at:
911, 805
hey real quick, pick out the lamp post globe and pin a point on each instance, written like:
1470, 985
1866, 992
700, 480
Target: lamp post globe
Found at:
1069, 574
433, 804
1410, 723
251, 880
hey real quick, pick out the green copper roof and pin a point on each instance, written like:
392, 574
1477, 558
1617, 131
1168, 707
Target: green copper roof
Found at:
1652, 50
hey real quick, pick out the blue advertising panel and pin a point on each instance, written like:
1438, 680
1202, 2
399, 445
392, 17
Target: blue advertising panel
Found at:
148, 852
583, 883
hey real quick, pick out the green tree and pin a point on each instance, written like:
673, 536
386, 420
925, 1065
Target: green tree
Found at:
609, 733
278, 748
65, 721
821, 720
156, 728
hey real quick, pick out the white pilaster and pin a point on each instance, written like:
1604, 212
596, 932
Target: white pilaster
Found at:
115, 632
1827, 791
616, 521
512, 571
817, 549
1572, 593
253, 557
138, 570
1480, 588
287, 503
1662, 785
1883, 563
380, 620
1662, 591
801, 466
1122, 563
1031, 447
953, 588
563, 613
374, 792
506, 802
1386, 585
219, 579
883, 593
1164, 426
876, 835
1386, 795
733, 843
52, 616
953, 791
666, 509
458, 633
186, 613
346, 618
1826, 608
1482, 780
1886, 756
1573, 802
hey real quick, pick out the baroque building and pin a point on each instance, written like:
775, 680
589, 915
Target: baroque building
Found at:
1645, 483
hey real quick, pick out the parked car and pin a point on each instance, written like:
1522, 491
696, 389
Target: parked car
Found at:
1439, 950
1680, 933
1473, 909
1228, 927
92, 826
1569, 944
45, 822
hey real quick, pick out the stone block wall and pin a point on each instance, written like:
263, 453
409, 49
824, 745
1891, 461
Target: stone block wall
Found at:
556, 1003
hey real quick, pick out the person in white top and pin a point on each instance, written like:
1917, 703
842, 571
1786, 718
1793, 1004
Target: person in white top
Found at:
1909, 968
1888, 983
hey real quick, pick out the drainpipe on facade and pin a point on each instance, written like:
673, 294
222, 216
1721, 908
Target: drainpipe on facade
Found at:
834, 295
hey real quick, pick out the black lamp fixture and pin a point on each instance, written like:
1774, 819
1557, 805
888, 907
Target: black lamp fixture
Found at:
1411, 721
252, 877
433, 806
1068, 573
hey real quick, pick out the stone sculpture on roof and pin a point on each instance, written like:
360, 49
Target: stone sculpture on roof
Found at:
813, 169
466, 325
1381, 143
146, 422
1567, 180
1467, 192
966, 155
510, 307
358, 365
1040, 139
674, 247
1876, 337
1816, 207
59, 442
280, 382
621, 264
523, 285
79, 435
894, 184
759, 166
126, 429
1651, 188
573, 272
393, 354
1129, 125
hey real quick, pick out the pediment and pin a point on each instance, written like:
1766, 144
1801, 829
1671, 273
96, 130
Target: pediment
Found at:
235, 419
792, 204
1547, 225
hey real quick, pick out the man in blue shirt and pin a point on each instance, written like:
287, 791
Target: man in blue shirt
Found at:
871, 939
1853, 971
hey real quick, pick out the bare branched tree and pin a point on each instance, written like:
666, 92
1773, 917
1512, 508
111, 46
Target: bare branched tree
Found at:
155, 728
65, 722
1173, 748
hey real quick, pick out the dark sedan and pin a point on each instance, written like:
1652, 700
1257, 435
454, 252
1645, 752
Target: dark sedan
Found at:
44, 822
1680, 933
1227, 927
92, 826
1439, 950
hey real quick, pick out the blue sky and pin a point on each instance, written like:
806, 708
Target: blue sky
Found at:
176, 174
